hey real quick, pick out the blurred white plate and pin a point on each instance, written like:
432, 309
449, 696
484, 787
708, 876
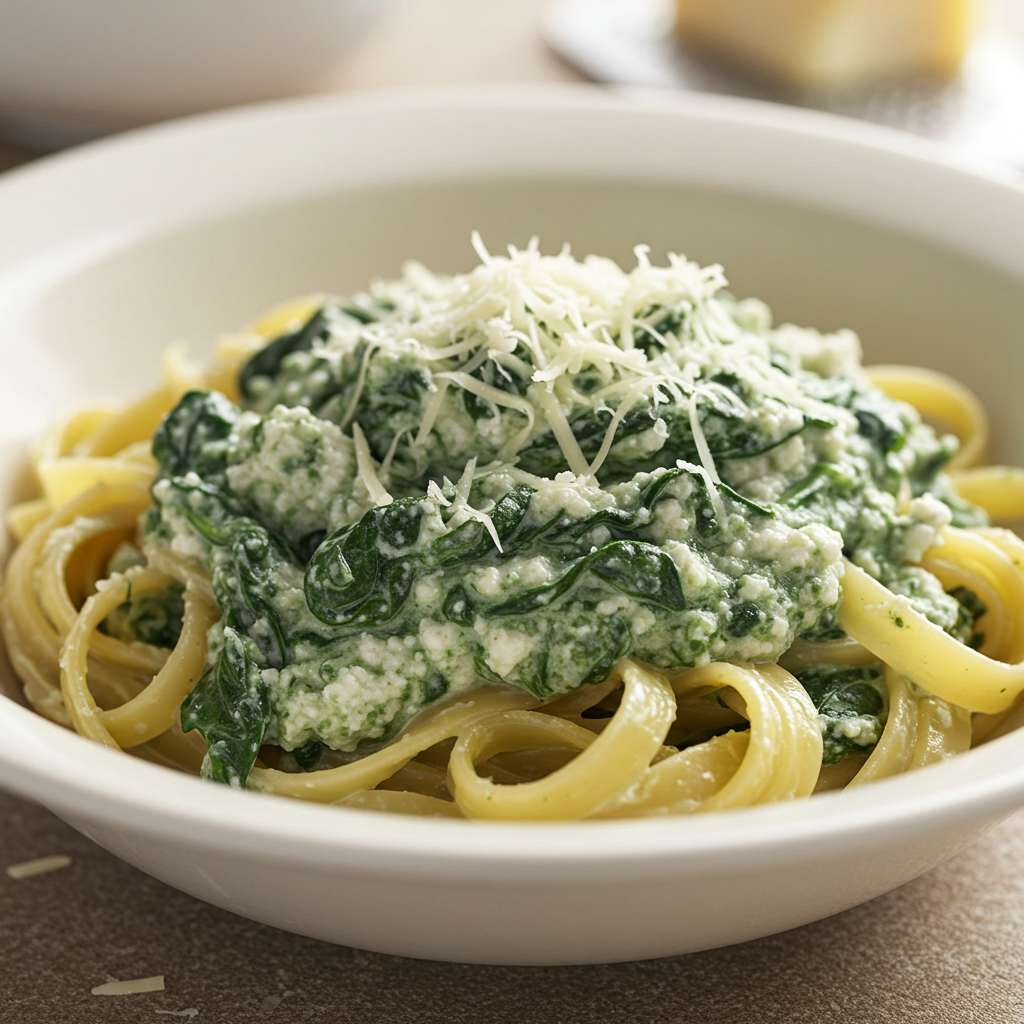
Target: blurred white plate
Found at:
75, 69
981, 114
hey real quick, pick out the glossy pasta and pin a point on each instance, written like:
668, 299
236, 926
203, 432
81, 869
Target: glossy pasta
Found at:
609, 749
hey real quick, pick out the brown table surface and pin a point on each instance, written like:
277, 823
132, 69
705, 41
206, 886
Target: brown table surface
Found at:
947, 948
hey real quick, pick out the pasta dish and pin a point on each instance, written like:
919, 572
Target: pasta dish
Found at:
546, 540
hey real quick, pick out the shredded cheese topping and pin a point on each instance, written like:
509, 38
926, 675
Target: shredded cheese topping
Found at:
461, 508
575, 334
378, 493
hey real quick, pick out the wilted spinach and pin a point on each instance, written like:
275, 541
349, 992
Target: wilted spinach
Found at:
845, 696
726, 427
351, 582
230, 708
153, 618
187, 439
970, 609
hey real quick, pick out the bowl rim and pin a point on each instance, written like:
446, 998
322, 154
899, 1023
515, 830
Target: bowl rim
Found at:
86, 782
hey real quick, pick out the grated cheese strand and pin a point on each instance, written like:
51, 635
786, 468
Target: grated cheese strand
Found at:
389, 455
625, 405
465, 483
461, 503
544, 396
707, 462
378, 493
357, 392
430, 414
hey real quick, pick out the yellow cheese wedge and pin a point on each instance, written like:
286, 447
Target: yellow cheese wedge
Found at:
826, 44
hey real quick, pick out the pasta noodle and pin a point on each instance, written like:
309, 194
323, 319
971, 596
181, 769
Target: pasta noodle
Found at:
610, 749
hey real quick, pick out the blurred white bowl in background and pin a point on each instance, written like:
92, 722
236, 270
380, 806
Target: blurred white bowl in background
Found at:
75, 69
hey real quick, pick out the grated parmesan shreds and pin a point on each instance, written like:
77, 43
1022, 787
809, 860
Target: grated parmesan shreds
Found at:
461, 508
39, 866
130, 987
378, 493
568, 317
707, 463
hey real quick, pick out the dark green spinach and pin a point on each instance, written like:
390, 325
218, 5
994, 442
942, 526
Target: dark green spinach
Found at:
230, 708
187, 439
153, 618
970, 608
266, 363
843, 695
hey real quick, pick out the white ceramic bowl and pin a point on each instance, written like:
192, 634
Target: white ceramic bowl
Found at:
108, 253
75, 69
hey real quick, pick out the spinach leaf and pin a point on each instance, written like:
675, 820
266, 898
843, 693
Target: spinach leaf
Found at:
153, 618
391, 403
745, 616
725, 424
544, 455
494, 374
851, 704
230, 708
267, 362
244, 584
824, 477
245, 565
472, 541
883, 428
635, 568
186, 440
730, 437
930, 463
458, 606
307, 757
350, 582
970, 609
366, 312
747, 503
655, 323
208, 509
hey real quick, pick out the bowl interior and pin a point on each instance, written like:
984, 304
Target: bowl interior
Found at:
93, 331
909, 300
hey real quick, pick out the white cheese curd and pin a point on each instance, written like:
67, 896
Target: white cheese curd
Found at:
573, 496
429, 591
292, 469
829, 355
506, 648
448, 652
860, 732
929, 517
488, 581
694, 571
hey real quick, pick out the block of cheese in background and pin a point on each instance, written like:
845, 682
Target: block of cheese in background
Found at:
825, 44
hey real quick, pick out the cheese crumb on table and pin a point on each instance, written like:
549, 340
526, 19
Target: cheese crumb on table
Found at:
130, 987
39, 866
